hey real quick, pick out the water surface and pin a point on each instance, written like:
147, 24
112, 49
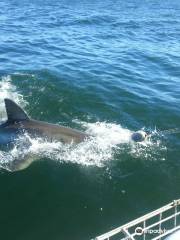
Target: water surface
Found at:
105, 67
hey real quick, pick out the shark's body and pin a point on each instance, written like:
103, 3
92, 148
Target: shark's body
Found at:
52, 132
19, 123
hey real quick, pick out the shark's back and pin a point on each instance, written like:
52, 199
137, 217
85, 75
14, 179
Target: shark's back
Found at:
54, 132
18, 120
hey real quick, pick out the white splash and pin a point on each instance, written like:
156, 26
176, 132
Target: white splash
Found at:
107, 139
96, 150
8, 90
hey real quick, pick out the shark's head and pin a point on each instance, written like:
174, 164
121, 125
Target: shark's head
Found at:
139, 136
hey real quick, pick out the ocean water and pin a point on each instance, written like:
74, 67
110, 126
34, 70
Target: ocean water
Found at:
104, 67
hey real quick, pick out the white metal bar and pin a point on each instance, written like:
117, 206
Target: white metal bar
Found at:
163, 220
134, 222
144, 234
156, 223
139, 220
160, 220
175, 219
129, 236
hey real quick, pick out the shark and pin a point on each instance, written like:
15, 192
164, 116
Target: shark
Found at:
19, 123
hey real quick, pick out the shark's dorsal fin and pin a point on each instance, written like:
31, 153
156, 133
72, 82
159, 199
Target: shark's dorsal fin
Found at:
14, 112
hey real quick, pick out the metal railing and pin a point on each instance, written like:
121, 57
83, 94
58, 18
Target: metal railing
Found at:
152, 226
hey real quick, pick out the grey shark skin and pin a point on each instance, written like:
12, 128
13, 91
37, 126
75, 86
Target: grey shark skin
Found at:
18, 123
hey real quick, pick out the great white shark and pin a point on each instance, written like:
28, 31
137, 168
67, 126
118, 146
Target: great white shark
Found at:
18, 123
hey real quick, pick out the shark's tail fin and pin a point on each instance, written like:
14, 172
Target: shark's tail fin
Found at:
14, 112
